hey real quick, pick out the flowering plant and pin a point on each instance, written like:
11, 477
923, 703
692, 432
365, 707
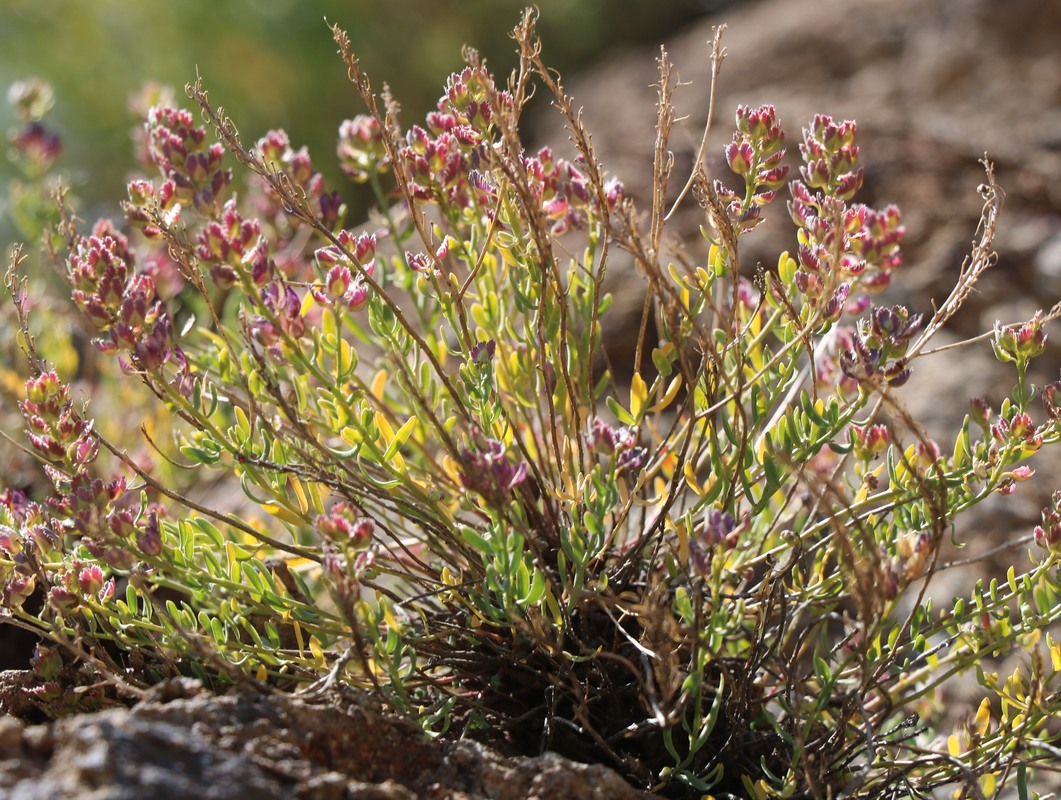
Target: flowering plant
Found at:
710, 575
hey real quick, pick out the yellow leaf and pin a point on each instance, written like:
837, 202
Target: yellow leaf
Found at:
262, 674
983, 717
233, 560
300, 494
346, 356
307, 304
328, 323
988, 784
954, 746
388, 617
1055, 653
298, 638
638, 395
683, 542
385, 428
282, 513
318, 652
379, 383
690, 478
669, 395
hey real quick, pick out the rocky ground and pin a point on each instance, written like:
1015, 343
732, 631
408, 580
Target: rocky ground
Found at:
934, 85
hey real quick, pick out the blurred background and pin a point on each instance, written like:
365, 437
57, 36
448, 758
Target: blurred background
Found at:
272, 63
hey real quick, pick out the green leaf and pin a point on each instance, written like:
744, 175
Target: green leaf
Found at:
198, 455
476, 540
622, 414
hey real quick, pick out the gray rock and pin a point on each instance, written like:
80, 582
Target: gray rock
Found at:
260, 747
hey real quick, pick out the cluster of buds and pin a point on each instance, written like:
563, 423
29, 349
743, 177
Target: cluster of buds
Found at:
719, 531
33, 145
283, 317
343, 569
421, 263
54, 427
755, 153
26, 539
276, 152
346, 265
1048, 535
565, 192
345, 527
874, 238
619, 443
1020, 430
468, 102
78, 584
451, 160
879, 345
103, 517
442, 167
485, 469
869, 441
234, 248
1020, 345
839, 243
361, 151
120, 303
830, 156
911, 559
190, 166
477, 378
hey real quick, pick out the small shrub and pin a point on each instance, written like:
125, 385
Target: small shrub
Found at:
709, 575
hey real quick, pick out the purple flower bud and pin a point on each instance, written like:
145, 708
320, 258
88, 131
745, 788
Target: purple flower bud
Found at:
343, 526
1048, 535
632, 459
149, 539
869, 441
979, 411
482, 353
1022, 344
832, 310
46, 662
486, 470
37, 147
739, 155
90, 579
17, 589
1052, 400
63, 600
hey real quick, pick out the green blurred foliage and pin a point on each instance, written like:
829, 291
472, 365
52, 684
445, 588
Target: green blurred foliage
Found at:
272, 63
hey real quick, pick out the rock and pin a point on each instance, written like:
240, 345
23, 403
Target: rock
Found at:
259, 747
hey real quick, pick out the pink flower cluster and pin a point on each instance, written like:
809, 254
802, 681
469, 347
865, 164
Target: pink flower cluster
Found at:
121, 303
190, 166
839, 245
453, 160
755, 153
104, 518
